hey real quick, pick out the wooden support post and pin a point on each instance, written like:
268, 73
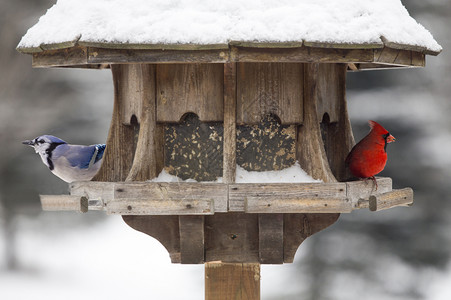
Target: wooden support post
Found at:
237, 281
270, 238
226, 281
191, 239
229, 165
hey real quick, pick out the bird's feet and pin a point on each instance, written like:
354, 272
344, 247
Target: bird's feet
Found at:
372, 178
374, 181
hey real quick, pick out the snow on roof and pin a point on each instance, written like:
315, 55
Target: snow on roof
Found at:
219, 22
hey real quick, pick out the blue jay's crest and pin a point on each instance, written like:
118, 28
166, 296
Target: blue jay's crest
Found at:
69, 162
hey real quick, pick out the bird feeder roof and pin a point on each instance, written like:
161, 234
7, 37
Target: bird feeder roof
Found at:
191, 25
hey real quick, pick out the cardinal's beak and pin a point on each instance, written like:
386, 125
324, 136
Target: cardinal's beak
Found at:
28, 142
390, 139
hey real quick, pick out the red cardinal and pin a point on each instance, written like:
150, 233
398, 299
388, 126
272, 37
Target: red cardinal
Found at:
369, 156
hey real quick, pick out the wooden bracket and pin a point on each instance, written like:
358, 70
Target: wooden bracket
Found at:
402, 197
64, 202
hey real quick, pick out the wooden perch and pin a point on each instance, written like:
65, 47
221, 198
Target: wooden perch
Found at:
402, 197
64, 203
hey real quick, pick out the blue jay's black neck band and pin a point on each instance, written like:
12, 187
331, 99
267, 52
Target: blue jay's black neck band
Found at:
49, 152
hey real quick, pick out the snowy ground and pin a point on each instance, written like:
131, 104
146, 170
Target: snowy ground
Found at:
108, 261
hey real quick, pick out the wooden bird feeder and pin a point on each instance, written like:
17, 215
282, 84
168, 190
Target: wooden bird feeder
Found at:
197, 111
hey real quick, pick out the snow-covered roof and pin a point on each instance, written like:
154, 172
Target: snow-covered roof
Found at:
205, 22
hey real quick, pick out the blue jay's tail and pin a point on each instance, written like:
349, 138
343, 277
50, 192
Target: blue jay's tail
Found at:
100, 150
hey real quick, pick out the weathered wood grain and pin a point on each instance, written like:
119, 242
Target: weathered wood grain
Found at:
92, 189
231, 237
270, 228
183, 191
298, 205
120, 146
196, 88
132, 86
97, 55
191, 239
123, 56
60, 57
399, 57
330, 85
152, 206
141, 95
229, 148
360, 190
269, 88
310, 152
237, 281
337, 135
252, 193
401, 197
64, 203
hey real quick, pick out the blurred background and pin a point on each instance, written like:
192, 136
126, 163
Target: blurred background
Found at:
402, 253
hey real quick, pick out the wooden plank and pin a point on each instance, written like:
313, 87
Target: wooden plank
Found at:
336, 131
301, 54
180, 47
270, 228
132, 86
151, 206
86, 54
115, 56
191, 239
141, 96
254, 192
196, 88
229, 148
269, 88
297, 205
266, 44
64, 203
175, 191
231, 237
399, 57
60, 57
92, 189
343, 45
120, 147
401, 197
330, 91
310, 151
237, 281
360, 190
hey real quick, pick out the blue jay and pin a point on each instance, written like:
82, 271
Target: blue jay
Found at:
68, 162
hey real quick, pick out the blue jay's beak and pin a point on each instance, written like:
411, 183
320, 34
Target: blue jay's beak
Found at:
28, 142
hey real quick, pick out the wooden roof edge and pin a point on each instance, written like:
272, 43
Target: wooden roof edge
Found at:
415, 48
343, 45
82, 55
224, 46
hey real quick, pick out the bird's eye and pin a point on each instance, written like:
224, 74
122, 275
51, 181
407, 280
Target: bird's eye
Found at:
41, 141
